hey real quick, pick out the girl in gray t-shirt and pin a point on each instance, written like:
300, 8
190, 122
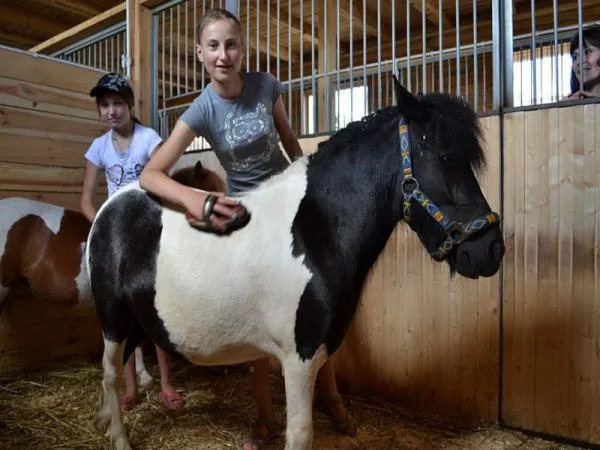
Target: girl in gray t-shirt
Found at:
242, 116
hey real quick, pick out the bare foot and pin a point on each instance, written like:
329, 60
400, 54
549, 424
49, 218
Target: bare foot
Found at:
171, 400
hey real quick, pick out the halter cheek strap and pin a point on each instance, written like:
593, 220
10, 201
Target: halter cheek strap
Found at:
456, 232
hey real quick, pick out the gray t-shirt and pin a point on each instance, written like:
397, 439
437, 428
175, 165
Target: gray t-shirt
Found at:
241, 132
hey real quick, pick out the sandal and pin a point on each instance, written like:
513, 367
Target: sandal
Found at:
240, 218
171, 400
127, 402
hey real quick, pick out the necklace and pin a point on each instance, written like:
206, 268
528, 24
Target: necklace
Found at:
123, 144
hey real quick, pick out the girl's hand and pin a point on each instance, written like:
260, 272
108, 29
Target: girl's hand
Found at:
214, 212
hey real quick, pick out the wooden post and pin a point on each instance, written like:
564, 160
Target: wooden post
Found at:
327, 62
140, 35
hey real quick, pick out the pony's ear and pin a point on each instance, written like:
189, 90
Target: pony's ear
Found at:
199, 171
408, 104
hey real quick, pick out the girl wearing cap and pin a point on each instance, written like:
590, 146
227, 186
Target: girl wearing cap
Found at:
243, 117
121, 153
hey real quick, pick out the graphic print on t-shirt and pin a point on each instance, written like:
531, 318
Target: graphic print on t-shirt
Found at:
248, 138
120, 175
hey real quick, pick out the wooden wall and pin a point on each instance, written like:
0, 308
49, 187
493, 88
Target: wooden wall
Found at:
551, 310
47, 121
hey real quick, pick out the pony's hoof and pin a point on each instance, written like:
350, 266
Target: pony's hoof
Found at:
122, 443
101, 424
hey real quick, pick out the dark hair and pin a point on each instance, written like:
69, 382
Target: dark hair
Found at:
590, 36
212, 15
114, 83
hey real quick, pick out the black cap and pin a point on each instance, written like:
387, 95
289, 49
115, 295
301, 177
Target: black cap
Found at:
111, 82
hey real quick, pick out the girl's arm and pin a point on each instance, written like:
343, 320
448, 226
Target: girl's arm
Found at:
88, 191
154, 179
286, 134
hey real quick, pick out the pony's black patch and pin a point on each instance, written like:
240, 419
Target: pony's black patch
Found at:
334, 230
124, 247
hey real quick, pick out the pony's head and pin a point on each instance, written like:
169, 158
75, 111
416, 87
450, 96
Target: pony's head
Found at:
442, 201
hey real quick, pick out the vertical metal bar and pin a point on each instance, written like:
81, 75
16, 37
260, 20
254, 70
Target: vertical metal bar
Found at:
457, 25
290, 61
195, 57
556, 59
178, 49
268, 36
154, 63
379, 54
164, 70
394, 68
440, 46
302, 99
408, 74
466, 58
502, 54
119, 70
581, 49
278, 43
187, 37
475, 71
258, 35
203, 77
327, 94
533, 55
112, 54
484, 82
313, 75
247, 36
351, 58
338, 64
364, 17
424, 46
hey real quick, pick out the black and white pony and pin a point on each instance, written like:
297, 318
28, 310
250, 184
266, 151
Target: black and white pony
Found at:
289, 282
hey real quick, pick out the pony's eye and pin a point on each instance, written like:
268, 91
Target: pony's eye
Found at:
449, 161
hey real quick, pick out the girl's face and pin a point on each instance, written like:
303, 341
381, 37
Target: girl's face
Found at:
115, 110
590, 64
220, 50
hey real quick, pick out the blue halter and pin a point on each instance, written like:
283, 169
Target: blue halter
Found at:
456, 232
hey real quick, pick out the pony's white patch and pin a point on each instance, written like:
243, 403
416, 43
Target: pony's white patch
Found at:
82, 281
228, 299
14, 209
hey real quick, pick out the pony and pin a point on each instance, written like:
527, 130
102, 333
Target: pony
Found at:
43, 245
288, 283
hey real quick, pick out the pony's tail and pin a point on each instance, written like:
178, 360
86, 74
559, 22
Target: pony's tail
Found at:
135, 338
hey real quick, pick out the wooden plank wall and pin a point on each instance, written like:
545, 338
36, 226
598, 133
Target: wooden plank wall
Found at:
421, 337
47, 121
551, 316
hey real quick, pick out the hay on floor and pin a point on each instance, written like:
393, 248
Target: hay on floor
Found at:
55, 410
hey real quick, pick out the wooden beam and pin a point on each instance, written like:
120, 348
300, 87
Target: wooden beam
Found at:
357, 17
19, 19
432, 12
82, 30
141, 50
72, 7
272, 49
327, 63
17, 40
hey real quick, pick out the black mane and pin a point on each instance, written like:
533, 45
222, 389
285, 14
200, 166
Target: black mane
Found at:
461, 130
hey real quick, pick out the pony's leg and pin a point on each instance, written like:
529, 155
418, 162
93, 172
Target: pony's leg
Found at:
110, 412
330, 400
145, 379
299, 379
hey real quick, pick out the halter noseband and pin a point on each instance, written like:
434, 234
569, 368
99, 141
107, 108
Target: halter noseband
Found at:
456, 232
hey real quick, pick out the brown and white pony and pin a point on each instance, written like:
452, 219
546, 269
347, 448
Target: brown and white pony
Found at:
44, 245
